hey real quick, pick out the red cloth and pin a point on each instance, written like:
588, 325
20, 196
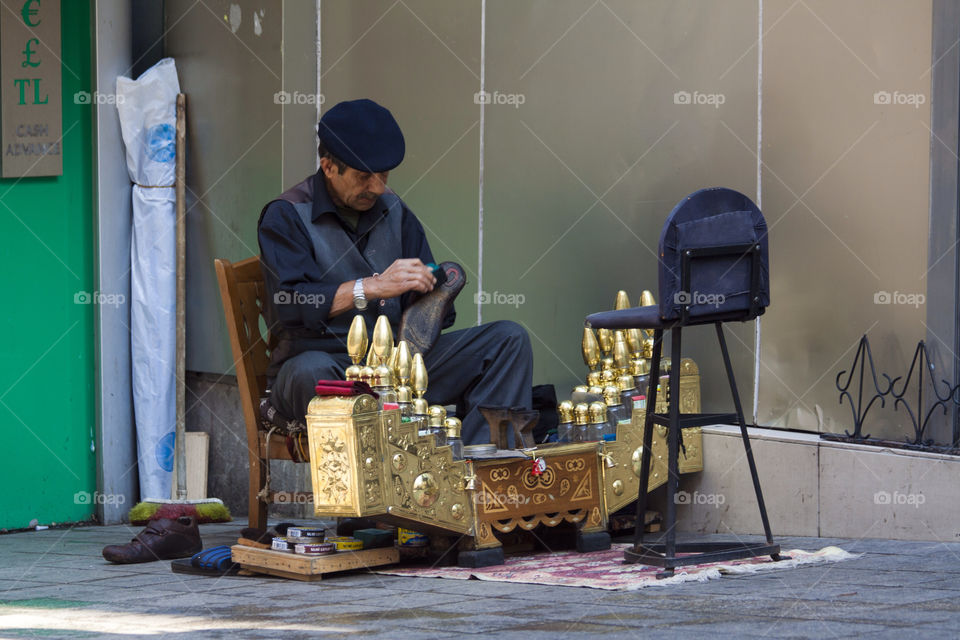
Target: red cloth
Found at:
343, 388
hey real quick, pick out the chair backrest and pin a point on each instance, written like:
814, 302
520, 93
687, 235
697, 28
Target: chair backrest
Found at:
242, 291
714, 262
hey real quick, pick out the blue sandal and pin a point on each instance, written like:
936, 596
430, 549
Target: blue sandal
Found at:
215, 561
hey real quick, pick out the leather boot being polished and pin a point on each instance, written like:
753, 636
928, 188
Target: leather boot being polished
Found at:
422, 321
162, 539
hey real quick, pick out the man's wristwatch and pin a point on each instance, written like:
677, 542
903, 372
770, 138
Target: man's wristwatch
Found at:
359, 300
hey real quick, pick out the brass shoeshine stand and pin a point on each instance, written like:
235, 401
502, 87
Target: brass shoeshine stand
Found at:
368, 462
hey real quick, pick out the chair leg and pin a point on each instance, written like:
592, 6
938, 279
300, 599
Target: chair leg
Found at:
673, 453
257, 508
743, 433
645, 457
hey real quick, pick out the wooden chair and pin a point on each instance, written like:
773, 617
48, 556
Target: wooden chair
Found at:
242, 290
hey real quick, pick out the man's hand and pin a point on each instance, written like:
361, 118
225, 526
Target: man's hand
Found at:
406, 274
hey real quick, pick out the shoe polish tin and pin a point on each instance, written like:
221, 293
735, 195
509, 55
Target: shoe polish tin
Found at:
315, 549
282, 544
306, 532
408, 538
345, 543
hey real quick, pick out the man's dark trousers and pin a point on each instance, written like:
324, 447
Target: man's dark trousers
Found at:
489, 364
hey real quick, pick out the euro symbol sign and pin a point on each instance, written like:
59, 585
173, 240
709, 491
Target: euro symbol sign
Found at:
27, 12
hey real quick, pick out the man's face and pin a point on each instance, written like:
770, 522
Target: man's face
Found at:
355, 189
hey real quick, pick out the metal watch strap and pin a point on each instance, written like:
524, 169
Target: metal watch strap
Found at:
359, 299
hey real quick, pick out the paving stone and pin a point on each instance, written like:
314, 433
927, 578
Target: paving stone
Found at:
408, 598
902, 589
9, 587
922, 631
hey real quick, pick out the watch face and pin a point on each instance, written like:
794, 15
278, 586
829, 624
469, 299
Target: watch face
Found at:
360, 303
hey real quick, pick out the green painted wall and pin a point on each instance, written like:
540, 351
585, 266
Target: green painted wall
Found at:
47, 353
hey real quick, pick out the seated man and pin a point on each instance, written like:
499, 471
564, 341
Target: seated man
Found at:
340, 243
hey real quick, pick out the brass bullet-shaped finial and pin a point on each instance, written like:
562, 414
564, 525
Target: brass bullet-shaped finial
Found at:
382, 339
404, 362
590, 348
419, 376
392, 362
635, 342
623, 302
621, 354
647, 300
357, 339
356, 346
605, 338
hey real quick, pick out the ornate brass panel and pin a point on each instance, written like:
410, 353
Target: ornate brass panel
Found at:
509, 495
367, 462
424, 482
621, 473
342, 436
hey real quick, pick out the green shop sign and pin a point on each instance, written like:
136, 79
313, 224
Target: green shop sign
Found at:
31, 115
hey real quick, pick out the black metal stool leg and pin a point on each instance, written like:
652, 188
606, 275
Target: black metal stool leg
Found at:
645, 457
673, 454
664, 554
745, 436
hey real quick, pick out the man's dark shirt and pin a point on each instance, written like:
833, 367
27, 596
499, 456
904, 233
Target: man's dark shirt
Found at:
287, 256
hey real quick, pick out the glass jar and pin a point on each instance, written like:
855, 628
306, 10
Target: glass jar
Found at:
565, 426
452, 427
598, 422
627, 391
581, 420
436, 415
405, 400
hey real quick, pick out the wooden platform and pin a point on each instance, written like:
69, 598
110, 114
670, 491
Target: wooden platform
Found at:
310, 568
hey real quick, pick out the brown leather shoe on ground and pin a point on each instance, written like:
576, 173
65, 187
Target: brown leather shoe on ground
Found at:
161, 540
422, 321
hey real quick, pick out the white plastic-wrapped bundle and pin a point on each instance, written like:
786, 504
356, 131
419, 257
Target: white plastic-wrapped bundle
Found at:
148, 118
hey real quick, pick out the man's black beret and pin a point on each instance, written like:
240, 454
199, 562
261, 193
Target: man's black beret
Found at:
362, 134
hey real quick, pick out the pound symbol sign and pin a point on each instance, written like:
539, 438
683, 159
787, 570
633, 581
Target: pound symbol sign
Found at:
28, 52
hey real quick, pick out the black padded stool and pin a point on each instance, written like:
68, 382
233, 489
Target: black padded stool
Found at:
713, 269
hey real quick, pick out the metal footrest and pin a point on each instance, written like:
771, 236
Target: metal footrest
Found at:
696, 419
699, 553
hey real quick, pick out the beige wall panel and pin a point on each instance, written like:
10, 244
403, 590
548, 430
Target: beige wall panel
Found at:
872, 492
845, 193
721, 498
230, 74
300, 76
420, 59
580, 177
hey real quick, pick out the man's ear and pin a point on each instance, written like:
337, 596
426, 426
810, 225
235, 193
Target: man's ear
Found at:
327, 167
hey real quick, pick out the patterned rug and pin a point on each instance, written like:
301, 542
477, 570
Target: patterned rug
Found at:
606, 569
